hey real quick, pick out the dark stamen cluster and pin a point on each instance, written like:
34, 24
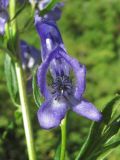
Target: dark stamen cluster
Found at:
62, 86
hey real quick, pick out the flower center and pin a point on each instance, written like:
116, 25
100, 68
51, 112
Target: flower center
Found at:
62, 86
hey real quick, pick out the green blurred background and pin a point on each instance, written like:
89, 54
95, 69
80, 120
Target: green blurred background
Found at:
91, 33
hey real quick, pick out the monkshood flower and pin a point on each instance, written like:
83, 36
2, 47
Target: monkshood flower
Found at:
4, 3
30, 58
54, 14
3, 15
64, 93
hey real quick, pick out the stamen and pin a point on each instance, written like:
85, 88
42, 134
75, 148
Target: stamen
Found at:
62, 86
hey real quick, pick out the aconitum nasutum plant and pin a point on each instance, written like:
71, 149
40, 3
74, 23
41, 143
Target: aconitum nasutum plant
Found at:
59, 80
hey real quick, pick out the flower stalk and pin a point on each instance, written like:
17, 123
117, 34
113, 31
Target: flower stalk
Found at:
25, 113
13, 37
12, 12
63, 138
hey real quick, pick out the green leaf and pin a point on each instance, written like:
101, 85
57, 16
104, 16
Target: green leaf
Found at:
20, 10
4, 49
110, 109
28, 24
18, 114
36, 91
101, 132
48, 7
58, 152
103, 152
11, 79
8, 128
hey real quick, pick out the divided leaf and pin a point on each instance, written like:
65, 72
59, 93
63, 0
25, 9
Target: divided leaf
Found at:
102, 132
58, 152
36, 92
11, 79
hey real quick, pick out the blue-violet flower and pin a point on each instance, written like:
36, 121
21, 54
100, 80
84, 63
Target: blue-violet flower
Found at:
54, 14
3, 15
30, 57
64, 93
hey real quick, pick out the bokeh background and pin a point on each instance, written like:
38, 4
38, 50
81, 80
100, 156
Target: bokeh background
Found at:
91, 33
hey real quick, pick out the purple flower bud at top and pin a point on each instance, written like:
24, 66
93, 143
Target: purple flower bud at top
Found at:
50, 39
4, 3
55, 13
3, 15
3, 20
49, 34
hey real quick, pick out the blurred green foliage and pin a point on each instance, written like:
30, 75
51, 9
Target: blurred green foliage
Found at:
91, 33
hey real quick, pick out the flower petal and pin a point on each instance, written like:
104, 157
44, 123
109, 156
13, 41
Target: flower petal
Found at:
42, 71
51, 113
49, 34
78, 69
59, 67
30, 55
4, 3
80, 73
87, 110
3, 20
55, 13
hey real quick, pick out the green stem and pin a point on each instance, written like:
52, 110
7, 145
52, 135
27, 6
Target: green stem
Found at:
12, 11
14, 39
33, 7
25, 112
63, 138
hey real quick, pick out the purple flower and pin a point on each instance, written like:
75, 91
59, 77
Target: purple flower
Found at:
30, 58
64, 93
4, 3
3, 15
54, 14
3, 20
49, 33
